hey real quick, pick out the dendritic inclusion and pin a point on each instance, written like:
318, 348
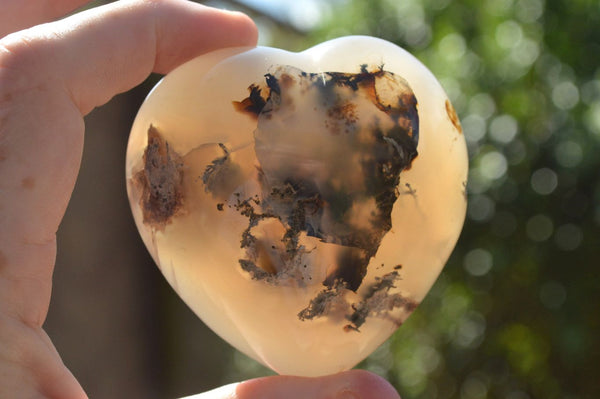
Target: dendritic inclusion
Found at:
336, 182
305, 226
324, 190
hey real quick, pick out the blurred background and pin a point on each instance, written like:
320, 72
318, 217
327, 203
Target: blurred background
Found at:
515, 313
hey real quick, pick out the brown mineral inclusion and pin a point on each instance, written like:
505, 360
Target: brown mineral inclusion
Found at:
452, 116
160, 181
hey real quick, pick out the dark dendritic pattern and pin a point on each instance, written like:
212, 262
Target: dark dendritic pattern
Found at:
313, 206
378, 301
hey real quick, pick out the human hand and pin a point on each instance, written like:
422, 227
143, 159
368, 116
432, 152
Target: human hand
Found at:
51, 75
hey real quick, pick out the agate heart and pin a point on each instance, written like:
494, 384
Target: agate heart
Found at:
302, 204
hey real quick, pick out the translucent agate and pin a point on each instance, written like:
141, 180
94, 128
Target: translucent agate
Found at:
302, 204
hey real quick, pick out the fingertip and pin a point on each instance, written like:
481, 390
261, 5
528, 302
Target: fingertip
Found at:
353, 384
198, 29
247, 30
366, 385
234, 28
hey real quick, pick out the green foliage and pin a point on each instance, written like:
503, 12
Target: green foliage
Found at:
516, 313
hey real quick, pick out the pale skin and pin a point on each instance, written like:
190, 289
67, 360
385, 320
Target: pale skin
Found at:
51, 75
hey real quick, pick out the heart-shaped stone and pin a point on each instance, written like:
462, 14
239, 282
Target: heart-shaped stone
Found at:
302, 204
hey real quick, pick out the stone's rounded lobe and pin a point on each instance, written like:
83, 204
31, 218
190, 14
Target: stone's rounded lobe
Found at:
302, 204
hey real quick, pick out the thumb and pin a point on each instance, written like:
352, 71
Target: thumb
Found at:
353, 384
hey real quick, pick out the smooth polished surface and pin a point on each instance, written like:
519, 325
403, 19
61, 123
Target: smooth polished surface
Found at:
302, 204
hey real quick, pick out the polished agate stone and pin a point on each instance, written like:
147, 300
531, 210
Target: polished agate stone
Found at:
302, 204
